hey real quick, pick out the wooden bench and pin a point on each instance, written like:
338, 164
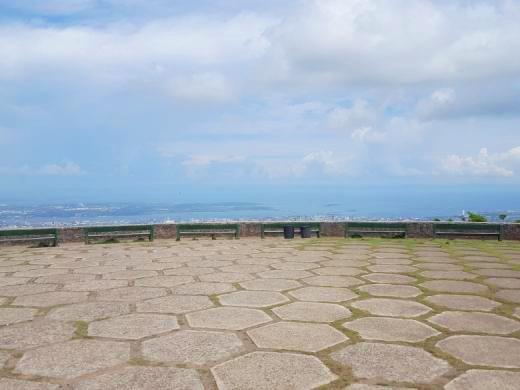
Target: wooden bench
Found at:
375, 228
277, 227
475, 229
48, 236
114, 232
207, 229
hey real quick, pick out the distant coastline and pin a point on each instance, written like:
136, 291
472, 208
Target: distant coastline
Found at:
83, 214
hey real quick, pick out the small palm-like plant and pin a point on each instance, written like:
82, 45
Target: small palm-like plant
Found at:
474, 217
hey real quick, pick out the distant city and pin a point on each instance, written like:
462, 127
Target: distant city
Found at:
82, 214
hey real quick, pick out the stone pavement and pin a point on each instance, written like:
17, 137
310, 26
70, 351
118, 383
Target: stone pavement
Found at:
261, 314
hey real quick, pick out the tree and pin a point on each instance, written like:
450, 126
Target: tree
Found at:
474, 217
502, 216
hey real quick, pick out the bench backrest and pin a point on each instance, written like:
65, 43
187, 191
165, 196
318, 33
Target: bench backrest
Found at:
376, 225
28, 232
280, 225
207, 226
467, 227
122, 228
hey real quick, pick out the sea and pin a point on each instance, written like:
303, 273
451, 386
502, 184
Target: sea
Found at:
316, 204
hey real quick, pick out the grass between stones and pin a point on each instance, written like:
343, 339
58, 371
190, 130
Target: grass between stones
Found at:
81, 331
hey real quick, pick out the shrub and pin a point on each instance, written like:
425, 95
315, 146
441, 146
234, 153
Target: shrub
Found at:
502, 216
474, 217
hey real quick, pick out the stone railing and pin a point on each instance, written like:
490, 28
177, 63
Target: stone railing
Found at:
511, 231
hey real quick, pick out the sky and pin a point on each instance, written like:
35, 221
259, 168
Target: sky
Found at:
120, 99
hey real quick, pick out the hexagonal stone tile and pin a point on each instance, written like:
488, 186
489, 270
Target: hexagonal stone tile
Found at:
392, 268
208, 263
362, 386
203, 288
177, 304
323, 294
66, 278
455, 286
139, 378
485, 380
190, 346
89, 311
73, 358
391, 290
245, 268
284, 274
503, 273
504, 282
493, 351
40, 272
19, 384
10, 315
293, 265
509, 295
463, 302
93, 285
133, 326
456, 275
392, 307
439, 266
164, 281
190, 271
51, 299
252, 298
35, 333
272, 370
129, 274
226, 277
389, 278
4, 356
391, 329
396, 363
271, 284
296, 336
338, 271
130, 294
231, 318
312, 312
459, 321
332, 281
12, 281
99, 270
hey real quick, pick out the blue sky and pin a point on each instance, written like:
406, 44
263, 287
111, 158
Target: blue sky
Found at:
125, 98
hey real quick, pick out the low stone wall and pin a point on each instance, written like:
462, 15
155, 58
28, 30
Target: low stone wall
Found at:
511, 231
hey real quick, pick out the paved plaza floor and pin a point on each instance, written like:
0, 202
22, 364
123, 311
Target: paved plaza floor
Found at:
261, 314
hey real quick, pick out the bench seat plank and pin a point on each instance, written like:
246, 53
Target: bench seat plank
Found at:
468, 229
20, 235
119, 231
360, 228
208, 229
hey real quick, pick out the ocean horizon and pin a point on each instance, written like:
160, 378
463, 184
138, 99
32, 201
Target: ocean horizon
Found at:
418, 203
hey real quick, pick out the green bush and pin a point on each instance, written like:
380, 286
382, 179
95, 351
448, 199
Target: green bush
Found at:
473, 217
502, 216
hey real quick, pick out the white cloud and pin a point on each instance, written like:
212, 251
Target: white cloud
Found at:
484, 164
396, 42
202, 87
367, 134
53, 7
66, 169
206, 160
313, 165
360, 114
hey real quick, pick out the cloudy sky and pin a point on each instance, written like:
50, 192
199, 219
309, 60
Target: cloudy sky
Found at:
121, 95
